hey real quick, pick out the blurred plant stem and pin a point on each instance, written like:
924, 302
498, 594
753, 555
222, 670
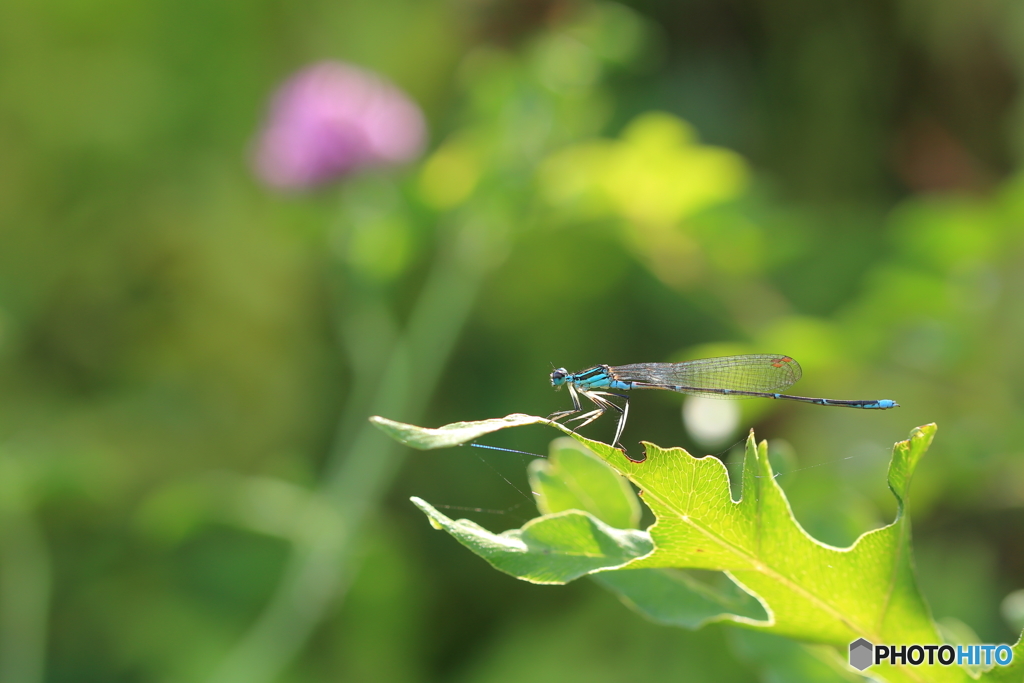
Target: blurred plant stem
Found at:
363, 460
24, 597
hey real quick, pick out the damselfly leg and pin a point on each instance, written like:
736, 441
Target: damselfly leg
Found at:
598, 398
576, 407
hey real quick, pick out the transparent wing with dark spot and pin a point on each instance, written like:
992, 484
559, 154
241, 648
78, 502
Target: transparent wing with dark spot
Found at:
753, 372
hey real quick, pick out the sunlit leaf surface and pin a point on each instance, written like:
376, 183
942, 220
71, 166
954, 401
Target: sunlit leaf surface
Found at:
573, 478
454, 434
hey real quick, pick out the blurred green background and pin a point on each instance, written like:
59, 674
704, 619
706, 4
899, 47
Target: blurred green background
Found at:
188, 488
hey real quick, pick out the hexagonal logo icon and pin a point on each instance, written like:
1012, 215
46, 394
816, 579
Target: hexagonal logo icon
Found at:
861, 652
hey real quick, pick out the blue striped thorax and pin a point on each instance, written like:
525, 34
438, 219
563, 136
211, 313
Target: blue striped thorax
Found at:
597, 377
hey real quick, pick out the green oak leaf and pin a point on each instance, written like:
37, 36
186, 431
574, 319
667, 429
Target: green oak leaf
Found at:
551, 549
813, 592
810, 591
812, 588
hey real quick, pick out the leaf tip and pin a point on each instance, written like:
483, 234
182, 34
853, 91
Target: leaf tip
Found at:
919, 440
427, 509
751, 439
399, 431
924, 431
906, 455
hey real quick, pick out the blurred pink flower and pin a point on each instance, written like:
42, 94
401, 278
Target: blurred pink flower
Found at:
332, 118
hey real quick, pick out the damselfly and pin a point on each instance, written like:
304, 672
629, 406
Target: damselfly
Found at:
756, 375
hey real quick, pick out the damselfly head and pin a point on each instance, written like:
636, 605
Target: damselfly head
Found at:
558, 377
